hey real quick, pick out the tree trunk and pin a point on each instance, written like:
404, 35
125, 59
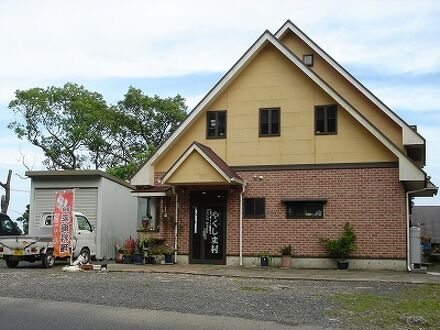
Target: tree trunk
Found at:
7, 196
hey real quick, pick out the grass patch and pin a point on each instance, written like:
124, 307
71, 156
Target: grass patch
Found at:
386, 311
254, 288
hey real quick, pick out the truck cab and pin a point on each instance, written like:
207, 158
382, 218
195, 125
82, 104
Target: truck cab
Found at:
7, 226
83, 239
39, 247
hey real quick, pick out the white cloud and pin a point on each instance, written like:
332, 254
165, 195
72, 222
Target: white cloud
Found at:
414, 98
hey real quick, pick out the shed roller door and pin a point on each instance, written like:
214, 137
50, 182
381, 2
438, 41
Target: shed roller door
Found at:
86, 202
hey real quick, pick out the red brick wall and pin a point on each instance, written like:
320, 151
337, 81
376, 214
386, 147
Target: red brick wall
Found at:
371, 199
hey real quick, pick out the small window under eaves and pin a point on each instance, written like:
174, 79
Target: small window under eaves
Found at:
308, 59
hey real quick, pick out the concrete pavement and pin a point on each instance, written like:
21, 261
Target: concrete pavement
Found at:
281, 273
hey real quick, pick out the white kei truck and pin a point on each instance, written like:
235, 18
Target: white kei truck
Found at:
15, 248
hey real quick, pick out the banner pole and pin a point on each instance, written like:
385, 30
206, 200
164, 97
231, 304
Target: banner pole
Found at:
72, 234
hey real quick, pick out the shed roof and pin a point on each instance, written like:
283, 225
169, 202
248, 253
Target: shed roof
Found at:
77, 173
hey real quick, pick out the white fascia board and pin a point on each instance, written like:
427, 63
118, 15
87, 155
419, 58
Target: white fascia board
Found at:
148, 194
144, 176
409, 136
407, 169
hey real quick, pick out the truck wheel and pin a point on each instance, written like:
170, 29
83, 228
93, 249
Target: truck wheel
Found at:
85, 252
12, 263
48, 259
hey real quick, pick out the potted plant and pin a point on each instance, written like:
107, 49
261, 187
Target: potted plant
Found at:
340, 248
286, 255
264, 258
168, 254
129, 249
119, 256
139, 252
151, 254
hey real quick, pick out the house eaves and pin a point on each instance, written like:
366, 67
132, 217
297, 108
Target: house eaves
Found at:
409, 136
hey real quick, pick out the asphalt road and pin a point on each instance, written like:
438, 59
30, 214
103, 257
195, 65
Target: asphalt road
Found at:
166, 301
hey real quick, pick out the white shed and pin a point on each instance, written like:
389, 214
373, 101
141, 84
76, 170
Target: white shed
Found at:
105, 200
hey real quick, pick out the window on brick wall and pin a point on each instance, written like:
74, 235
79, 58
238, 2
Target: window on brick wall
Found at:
254, 208
310, 209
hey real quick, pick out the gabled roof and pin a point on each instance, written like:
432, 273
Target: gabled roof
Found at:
408, 171
410, 136
211, 157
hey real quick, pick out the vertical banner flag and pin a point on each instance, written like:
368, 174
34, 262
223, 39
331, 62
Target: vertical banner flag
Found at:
62, 223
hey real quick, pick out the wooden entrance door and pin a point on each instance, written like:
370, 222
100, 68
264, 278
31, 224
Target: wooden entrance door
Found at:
208, 227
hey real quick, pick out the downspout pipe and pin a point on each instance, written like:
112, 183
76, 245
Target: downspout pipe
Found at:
241, 222
175, 227
408, 255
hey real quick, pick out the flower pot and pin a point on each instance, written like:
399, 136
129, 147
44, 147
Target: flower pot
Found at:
139, 258
342, 264
119, 258
151, 260
286, 261
168, 258
264, 261
127, 259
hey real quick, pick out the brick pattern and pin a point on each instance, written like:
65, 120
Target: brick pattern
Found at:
371, 199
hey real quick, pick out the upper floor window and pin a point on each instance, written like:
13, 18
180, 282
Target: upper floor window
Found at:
270, 122
216, 124
325, 119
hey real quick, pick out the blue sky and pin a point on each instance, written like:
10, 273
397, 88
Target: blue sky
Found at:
184, 47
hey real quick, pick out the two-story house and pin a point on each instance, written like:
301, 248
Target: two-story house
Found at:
285, 148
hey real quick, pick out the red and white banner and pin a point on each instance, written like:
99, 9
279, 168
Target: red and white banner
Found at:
62, 223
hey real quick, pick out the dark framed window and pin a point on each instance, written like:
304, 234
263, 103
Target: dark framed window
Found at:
254, 208
270, 122
308, 59
216, 124
325, 119
305, 209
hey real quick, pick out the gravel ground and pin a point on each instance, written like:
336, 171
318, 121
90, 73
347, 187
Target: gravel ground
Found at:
296, 302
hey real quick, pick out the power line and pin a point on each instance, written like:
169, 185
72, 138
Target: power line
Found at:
20, 190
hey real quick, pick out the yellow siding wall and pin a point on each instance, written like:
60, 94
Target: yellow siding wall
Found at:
195, 169
270, 80
346, 90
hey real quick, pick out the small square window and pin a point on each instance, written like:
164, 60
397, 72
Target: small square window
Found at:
254, 208
308, 59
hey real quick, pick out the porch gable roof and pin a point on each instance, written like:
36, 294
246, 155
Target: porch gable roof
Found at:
218, 170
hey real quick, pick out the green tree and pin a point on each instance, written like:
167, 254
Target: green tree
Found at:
65, 122
142, 124
24, 219
76, 129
